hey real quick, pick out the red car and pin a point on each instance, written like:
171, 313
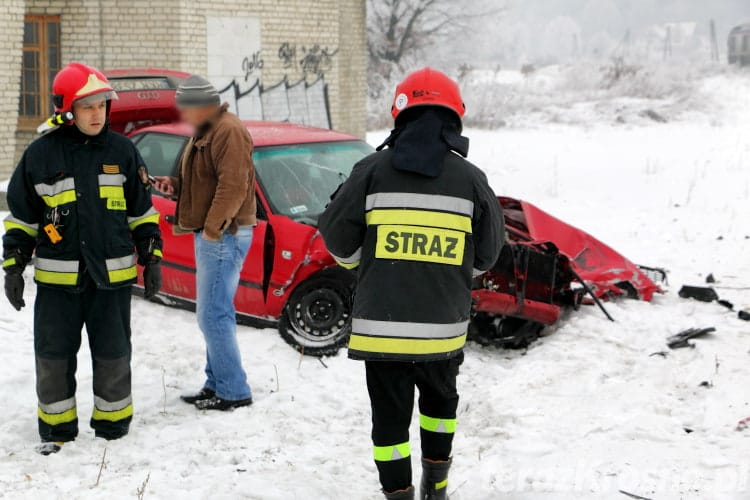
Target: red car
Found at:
288, 276
289, 279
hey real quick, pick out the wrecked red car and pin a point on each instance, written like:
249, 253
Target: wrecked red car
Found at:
545, 266
290, 280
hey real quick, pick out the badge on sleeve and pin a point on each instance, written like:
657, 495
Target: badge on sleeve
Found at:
143, 175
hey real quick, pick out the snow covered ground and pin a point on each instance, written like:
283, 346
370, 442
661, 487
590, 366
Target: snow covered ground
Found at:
584, 413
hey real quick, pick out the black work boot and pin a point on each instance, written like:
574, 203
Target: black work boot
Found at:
201, 395
407, 494
434, 480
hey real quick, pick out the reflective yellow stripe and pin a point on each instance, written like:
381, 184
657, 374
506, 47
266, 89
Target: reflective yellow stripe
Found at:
157, 253
391, 453
126, 274
55, 278
419, 218
345, 265
9, 262
30, 230
442, 484
60, 198
405, 346
437, 425
113, 416
57, 418
148, 219
116, 192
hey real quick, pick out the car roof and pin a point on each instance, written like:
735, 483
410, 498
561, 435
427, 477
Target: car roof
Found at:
263, 133
146, 72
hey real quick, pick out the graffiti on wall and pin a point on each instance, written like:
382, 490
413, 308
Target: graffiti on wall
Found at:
311, 60
236, 63
294, 102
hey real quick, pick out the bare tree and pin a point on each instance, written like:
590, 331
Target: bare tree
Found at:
399, 28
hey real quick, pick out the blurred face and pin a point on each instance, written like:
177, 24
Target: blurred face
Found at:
197, 116
90, 115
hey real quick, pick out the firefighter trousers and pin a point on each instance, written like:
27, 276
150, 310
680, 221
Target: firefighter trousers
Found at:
391, 385
59, 316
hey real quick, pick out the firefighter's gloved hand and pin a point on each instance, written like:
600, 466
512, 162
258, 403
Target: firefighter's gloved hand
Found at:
152, 279
14, 285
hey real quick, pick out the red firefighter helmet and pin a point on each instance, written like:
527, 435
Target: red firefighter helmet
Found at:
77, 81
428, 87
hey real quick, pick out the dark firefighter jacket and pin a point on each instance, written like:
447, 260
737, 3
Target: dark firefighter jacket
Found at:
415, 240
93, 192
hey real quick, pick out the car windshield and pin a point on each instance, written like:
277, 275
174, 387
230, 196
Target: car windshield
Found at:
298, 179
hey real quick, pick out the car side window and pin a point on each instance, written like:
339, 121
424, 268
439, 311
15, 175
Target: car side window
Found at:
161, 152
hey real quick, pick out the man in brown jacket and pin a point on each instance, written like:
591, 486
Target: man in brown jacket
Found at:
215, 194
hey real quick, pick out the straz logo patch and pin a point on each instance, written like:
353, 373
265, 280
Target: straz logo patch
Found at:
421, 244
111, 169
116, 204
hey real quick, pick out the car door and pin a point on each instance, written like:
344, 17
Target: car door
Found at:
161, 153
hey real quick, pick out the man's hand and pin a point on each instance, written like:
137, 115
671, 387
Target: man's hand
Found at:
151, 279
14, 285
165, 185
210, 236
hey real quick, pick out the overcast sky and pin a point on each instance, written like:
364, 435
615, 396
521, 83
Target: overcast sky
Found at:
619, 15
547, 31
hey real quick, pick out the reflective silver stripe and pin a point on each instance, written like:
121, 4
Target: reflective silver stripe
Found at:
58, 187
58, 407
420, 201
409, 330
16, 220
105, 405
149, 212
112, 179
120, 263
355, 257
476, 272
57, 266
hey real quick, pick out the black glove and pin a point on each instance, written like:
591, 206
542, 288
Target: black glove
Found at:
14, 287
151, 279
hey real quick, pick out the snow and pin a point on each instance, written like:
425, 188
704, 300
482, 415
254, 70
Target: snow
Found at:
584, 413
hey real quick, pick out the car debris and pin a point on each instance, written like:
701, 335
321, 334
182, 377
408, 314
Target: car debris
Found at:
726, 304
743, 424
545, 266
683, 338
701, 293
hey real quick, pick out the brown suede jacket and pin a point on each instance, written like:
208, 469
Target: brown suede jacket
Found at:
216, 185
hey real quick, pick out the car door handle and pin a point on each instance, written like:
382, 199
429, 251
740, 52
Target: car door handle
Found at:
171, 219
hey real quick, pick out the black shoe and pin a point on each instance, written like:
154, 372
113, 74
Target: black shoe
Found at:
203, 394
217, 403
49, 448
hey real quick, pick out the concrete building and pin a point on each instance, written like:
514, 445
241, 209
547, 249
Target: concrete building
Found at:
295, 60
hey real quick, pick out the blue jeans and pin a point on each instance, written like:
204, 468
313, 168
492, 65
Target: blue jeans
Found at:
218, 266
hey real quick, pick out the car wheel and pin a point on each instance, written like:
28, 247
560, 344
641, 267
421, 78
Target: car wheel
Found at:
317, 319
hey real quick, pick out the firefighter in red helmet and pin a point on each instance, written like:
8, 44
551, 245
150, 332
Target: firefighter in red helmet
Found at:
417, 222
80, 205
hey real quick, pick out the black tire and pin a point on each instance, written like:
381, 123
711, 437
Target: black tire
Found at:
317, 319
